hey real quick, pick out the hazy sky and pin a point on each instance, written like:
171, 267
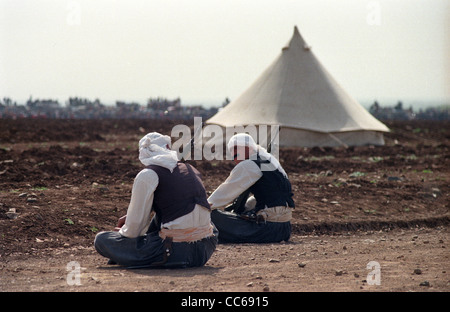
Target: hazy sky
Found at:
206, 50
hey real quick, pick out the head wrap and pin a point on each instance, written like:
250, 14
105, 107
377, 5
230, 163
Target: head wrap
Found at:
154, 149
242, 139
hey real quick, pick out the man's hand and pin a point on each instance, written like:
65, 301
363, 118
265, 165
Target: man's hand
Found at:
120, 223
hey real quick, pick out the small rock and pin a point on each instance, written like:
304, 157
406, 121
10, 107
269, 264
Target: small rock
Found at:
274, 260
12, 214
31, 200
266, 288
339, 272
436, 191
23, 195
301, 265
417, 271
250, 284
425, 283
96, 280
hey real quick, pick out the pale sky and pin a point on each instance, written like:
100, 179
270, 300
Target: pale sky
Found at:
206, 50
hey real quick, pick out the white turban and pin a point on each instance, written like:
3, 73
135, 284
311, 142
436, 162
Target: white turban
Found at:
154, 149
241, 139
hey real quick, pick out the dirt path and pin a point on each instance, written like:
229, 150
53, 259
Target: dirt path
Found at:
409, 260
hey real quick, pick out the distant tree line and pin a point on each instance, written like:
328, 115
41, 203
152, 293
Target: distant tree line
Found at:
81, 108
398, 112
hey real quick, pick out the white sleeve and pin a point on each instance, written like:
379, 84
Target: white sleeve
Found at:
140, 207
243, 175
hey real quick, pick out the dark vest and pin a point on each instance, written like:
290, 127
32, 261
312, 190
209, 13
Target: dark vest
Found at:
272, 189
178, 191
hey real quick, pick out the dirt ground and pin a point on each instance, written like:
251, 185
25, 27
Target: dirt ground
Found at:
360, 210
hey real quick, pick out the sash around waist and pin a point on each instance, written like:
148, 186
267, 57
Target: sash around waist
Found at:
276, 214
187, 235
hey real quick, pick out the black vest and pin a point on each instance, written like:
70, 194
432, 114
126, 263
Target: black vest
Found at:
272, 189
178, 191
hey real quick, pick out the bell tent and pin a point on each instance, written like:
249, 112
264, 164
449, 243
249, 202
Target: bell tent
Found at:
297, 93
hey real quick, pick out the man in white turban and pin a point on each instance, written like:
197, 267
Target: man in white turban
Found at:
181, 233
265, 216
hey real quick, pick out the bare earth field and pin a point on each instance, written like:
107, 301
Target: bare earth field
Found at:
63, 181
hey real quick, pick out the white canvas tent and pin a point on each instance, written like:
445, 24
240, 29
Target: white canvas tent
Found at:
297, 93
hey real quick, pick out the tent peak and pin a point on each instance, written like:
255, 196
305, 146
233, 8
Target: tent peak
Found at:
296, 33
298, 39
